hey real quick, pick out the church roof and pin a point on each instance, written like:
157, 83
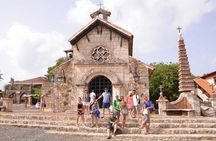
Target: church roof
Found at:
96, 21
205, 85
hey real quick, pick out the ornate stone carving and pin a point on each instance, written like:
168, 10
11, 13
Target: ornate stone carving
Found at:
100, 55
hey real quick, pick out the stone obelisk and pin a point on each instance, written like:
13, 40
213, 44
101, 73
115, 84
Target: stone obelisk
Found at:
186, 84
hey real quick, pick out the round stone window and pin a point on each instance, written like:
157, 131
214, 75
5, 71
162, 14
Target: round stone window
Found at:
100, 55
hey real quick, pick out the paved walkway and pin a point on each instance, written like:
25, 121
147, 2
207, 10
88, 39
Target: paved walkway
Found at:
10, 133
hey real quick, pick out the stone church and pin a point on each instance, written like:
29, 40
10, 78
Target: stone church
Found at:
101, 57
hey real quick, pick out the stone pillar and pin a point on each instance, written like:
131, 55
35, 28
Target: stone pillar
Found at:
162, 102
8, 103
49, 103
18, 99
29, 100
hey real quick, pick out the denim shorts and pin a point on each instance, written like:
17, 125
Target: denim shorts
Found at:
106, 105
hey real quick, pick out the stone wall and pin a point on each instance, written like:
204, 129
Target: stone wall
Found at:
142, 85
63, 95
118, 46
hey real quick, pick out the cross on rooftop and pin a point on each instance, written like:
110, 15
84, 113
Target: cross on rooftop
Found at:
100, 4
179, 29
161, 90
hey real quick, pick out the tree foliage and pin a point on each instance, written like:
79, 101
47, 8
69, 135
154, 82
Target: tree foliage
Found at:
58, 62
37, 93
167, 76
7, 87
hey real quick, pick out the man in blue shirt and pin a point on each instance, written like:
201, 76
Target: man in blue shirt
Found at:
106, 100
148, 103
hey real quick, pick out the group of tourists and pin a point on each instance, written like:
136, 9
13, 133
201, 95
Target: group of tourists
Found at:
132, 105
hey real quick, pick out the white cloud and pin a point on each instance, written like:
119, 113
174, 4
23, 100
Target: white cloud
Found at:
153, 22
79, 14
26, 54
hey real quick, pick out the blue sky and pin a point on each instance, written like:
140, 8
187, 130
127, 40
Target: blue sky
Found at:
34, 33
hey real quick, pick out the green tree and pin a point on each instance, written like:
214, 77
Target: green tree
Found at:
58, 62
167, 76
37, 93
7, 87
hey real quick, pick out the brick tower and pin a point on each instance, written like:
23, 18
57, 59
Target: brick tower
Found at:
186, 83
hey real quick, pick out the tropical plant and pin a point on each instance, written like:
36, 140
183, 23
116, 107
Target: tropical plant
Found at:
49, 71
165, 75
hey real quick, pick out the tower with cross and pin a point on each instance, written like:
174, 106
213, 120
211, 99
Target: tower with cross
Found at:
180, 33
179, 29
100, 4
101, 13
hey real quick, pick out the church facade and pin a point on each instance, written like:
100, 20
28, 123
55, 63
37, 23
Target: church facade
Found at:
101, 57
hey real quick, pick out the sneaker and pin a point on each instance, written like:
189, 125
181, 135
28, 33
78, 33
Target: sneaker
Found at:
109, 137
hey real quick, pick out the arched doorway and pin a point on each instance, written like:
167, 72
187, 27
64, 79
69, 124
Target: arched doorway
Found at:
98, 84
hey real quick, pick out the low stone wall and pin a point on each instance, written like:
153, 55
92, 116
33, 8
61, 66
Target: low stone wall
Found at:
8, 104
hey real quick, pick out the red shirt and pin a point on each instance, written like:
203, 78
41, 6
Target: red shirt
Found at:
129, 101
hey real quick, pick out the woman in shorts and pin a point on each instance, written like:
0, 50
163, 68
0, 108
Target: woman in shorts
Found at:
123, 111
80, 111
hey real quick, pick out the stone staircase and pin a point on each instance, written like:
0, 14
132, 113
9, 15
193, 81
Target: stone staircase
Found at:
162, 128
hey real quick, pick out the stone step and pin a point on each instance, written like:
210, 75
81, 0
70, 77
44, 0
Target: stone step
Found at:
187, 131
149, 137
103, 123
176, 120
87, 129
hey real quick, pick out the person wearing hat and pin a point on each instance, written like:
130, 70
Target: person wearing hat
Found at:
106, 100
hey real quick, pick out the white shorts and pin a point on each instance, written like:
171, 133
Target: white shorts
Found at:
85, 103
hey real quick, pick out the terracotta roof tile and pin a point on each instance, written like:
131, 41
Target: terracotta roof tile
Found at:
37, 80
204, 84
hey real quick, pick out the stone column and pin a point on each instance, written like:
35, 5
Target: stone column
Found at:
162, 102
8, 103
29, 100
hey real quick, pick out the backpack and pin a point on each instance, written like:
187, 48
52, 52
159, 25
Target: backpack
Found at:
138, 99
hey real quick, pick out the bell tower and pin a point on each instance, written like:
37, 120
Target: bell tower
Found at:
101, 13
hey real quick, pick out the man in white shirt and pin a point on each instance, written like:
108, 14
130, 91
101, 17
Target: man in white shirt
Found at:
135, 103
92, 95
